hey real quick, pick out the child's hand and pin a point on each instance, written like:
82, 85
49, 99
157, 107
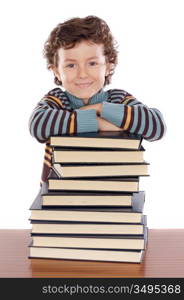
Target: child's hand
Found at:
97, 107
104, 125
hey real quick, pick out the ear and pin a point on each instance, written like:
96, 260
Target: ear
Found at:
55, 72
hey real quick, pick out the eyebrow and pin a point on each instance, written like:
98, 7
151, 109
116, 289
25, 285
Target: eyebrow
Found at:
70, 59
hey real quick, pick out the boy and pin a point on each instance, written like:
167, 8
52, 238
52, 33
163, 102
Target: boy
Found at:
82, 55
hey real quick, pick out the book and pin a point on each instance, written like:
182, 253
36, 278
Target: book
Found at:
81, 228
89, 199
115, 184
81, 155
131, 214
103, 184
98, 170
134, 256
101, 139
92, 241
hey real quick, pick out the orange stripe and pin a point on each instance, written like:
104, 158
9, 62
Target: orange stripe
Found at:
71, 129
48, 155
128, 119
47, 163
127, 99
48, 148
55, 100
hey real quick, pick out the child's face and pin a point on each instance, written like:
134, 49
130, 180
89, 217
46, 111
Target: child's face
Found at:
82, 69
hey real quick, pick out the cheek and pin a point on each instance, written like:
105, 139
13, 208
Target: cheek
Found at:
67, 77
99, 74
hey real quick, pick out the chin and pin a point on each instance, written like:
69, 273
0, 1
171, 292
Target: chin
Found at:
84, 95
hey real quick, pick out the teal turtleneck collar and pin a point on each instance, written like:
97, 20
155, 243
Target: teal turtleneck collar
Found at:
97, 98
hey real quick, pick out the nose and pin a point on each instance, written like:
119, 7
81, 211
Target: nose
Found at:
82, 72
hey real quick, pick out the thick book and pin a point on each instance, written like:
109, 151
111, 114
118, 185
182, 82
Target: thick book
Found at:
131, 214
102, 139
93, 156
115, 184
98, 170
89, 199
82, 228
92, 241
131, 256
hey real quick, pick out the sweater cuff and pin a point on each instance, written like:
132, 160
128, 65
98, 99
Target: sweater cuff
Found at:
114, 113
86, 120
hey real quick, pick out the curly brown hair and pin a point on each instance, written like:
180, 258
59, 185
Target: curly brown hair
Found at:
73, 31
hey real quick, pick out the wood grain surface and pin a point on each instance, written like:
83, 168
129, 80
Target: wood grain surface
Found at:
164, 258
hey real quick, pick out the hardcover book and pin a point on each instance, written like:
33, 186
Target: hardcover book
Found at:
89, 199
92, 241
89, 228
134, 256
93, 156
101, 139
131, 214
115, 184
98, 170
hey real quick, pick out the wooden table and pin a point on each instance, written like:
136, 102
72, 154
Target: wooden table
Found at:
164, 258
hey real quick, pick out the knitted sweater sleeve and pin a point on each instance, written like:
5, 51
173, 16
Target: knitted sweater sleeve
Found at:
134, 117
51, 118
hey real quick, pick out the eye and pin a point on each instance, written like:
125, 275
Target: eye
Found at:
93, 63
70, 66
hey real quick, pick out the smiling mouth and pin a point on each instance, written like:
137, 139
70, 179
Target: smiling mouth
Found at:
83, 85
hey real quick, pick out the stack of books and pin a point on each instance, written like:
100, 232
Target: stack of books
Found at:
91, 208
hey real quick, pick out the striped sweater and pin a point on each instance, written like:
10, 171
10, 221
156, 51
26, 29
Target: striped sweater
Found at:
59, 113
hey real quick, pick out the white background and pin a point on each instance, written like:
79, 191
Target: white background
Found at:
151, 67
